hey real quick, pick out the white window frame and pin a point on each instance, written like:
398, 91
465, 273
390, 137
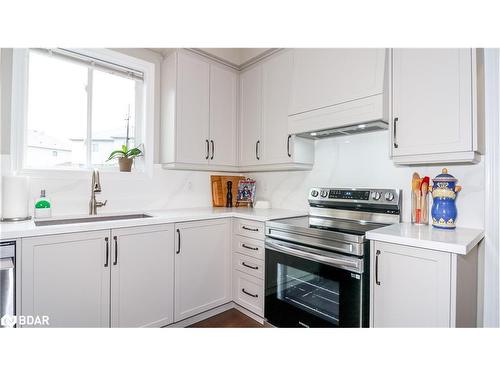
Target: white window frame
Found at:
144, 115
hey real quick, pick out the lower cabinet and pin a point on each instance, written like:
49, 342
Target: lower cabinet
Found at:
202, 266
248, 265
66, 277
119, 278
142, 276
416, 287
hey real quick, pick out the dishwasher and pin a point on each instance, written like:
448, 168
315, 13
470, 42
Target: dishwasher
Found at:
7, 279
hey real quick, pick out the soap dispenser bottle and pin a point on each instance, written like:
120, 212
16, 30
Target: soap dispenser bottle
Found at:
42, 206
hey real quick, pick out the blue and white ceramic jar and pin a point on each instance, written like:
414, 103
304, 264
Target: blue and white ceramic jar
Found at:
444, 192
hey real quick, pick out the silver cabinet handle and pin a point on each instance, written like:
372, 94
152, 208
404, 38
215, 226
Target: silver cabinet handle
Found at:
257, 150
250, 229
178, 241
395, 122
376, 267
213, 149
250, 294
249, 247
248, 266
208, 149
107, 252
116, 250
288, 146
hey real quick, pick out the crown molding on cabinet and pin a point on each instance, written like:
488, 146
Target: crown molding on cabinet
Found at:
223, 61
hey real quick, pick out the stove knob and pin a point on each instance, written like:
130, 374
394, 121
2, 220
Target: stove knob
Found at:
314, 193
389, 196
376, 195
324, 194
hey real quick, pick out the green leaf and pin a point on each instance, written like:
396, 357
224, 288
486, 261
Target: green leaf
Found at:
124, 149
116, 153
134, 152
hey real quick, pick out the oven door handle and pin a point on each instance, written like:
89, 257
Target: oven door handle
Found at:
353, 265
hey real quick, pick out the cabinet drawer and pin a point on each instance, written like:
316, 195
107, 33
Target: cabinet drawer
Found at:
249, 228
248, 292
249, 246
246, 264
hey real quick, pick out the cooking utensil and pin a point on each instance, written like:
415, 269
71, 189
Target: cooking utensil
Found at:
424, 189
415, 193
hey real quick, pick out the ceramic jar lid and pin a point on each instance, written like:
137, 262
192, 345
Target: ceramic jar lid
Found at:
444, 177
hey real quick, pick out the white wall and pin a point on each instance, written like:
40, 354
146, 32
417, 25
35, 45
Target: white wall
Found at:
362, 161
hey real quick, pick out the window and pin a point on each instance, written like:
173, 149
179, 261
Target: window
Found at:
78, 109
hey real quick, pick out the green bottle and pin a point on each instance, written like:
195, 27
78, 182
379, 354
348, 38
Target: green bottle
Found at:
42, 206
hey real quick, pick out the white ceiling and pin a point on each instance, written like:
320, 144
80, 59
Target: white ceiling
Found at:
236, 56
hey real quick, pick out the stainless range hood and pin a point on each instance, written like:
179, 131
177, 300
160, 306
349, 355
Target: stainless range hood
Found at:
346, 130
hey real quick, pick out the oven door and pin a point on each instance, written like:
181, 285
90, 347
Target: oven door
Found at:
307, 287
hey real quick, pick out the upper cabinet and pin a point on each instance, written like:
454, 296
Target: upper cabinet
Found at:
199, 113
335, 87
437, 105
250, 115
265, 143
223, 116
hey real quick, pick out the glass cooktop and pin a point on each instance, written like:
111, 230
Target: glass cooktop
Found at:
336, 225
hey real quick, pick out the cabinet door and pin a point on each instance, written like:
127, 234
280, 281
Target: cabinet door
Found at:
202, 266
413, 288
251, 152
330, 76
142, 276
192, 109
276, 85
432, 101
66, 277
223, 115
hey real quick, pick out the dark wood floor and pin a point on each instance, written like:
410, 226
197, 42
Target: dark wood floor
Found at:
229, 319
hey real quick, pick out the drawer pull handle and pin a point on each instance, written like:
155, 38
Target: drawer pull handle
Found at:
248, 266
249, 247
250, 229
250, 294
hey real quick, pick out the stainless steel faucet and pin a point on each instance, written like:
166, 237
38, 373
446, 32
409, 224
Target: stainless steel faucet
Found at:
95, 188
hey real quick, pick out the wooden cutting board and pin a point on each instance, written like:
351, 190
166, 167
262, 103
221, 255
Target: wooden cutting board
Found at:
219, 189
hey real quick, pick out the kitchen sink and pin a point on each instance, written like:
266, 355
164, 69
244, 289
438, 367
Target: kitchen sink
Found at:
89, 219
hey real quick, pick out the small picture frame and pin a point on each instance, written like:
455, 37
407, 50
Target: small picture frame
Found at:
246, 193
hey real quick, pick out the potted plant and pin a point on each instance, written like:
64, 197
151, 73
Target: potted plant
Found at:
125, 157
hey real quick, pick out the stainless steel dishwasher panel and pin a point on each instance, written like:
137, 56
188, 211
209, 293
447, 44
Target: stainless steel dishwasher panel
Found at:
7, 278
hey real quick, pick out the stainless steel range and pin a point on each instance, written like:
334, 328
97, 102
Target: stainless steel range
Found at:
317, 266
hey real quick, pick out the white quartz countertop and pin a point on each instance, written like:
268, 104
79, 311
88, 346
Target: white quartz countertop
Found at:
29, 229
459, 240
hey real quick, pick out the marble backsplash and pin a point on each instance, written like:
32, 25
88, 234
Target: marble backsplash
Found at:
352, 161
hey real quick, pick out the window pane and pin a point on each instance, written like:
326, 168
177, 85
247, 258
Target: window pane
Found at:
57, 113
113, 111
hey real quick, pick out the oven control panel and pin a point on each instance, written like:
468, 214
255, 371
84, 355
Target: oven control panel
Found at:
372, 196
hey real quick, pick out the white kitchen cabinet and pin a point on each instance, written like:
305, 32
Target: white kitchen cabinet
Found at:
278, 145
118, 278
142, 276
223, 116
250, 116
437, 105
249, 265
202, 266
334, 87
67, 278
199, 113
265, 143
416, 287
